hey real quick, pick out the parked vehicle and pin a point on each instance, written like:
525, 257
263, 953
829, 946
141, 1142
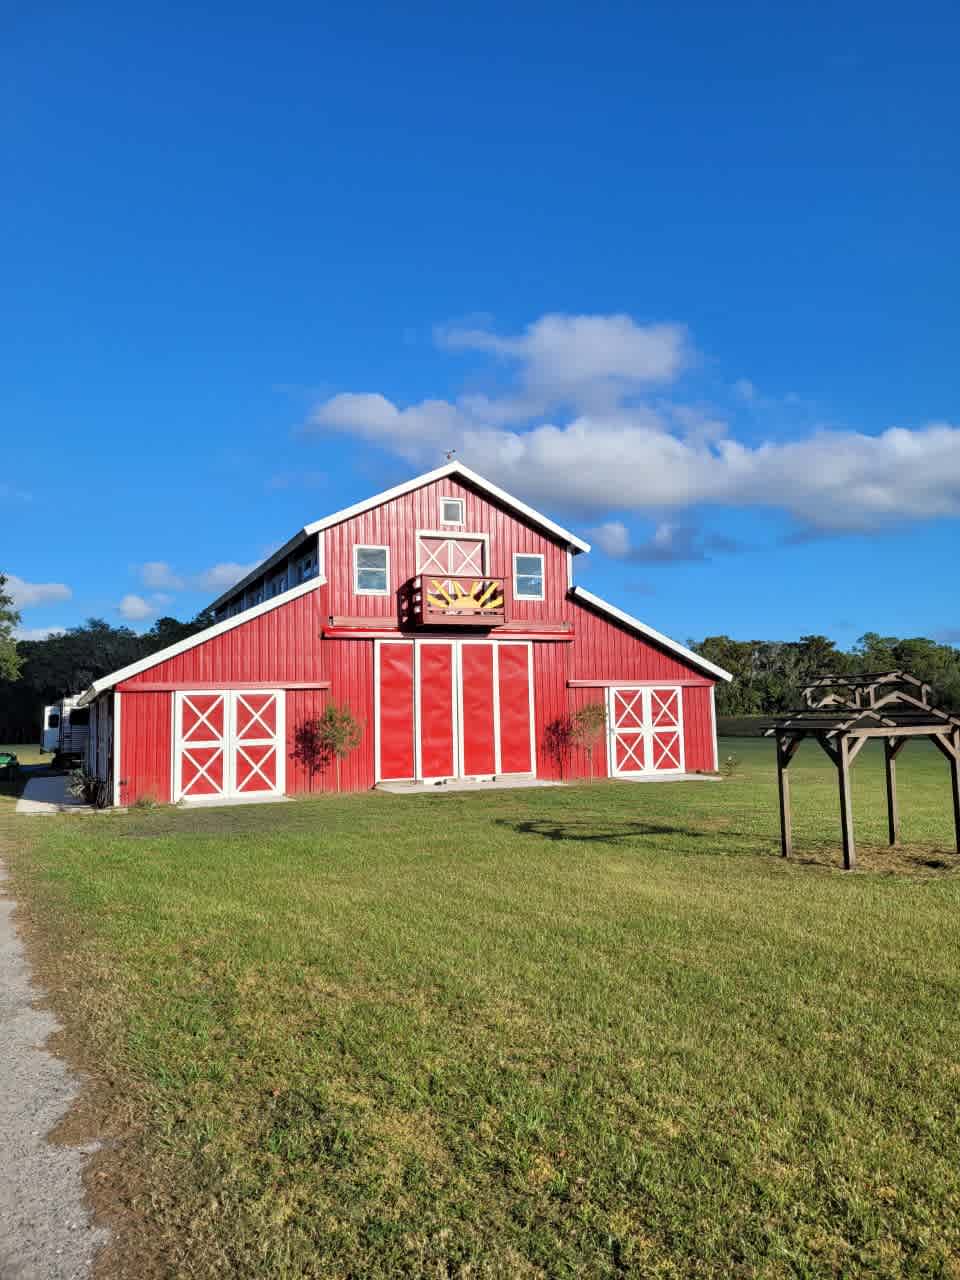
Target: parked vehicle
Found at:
66, 728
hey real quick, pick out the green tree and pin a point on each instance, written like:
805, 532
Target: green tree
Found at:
338, 732
587, 727
10, 660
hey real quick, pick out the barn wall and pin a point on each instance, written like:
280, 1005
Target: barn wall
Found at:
281, 645
603, 649
395, 523
348, 665
146, 723
698, 741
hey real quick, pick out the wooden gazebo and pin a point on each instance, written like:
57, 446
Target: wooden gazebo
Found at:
843, 713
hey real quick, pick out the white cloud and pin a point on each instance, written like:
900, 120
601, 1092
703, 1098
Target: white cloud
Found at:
26, 595
134, 608
37, 633
159, 575
626, 454
220, 576
669, 543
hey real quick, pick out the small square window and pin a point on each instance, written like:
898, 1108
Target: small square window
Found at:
528, 577
307, 568
370, 573
451, 511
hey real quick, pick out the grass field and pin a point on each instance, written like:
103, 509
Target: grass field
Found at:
598, 1031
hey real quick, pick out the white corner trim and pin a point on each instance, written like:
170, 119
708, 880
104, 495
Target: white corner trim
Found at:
441, 473
116, 750
680, 650
201, 637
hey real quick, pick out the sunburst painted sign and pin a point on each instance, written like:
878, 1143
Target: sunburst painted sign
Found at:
482, 597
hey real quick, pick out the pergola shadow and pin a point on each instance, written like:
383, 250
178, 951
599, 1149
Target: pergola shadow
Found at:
843, 713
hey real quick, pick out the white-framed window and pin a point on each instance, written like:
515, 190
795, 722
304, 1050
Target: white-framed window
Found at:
527, 576
452, 511
371, 571
307, 567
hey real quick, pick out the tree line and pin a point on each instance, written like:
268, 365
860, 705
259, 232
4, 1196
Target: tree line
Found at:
769, 675
34, 673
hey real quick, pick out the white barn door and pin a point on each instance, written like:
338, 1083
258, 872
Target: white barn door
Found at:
228, 743
645, 731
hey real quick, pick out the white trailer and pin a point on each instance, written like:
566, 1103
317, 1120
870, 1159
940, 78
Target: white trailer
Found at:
66, 728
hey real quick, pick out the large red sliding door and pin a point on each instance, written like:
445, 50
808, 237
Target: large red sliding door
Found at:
453, 709
395, 726
515, 706
437, 667
478, 730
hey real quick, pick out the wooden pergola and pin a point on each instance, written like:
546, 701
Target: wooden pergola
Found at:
843, 713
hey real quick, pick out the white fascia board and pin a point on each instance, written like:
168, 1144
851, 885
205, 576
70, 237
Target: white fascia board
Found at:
452, 469
201, 637
665, 642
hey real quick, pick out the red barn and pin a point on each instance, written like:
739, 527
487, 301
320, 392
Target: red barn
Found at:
444, 613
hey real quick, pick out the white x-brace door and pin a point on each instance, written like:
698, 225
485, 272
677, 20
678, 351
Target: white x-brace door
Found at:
645, 730
228, 743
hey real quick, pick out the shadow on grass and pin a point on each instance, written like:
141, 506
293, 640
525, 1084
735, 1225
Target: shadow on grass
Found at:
593, 832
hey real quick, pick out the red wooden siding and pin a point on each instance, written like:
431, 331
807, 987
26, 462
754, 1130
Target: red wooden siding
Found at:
145, 746
282, 644
603, 649
348, 665
395, 525
698, 740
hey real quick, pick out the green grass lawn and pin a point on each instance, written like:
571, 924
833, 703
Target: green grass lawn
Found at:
595, 1031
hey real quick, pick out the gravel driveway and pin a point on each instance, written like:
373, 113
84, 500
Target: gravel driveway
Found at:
45, 1229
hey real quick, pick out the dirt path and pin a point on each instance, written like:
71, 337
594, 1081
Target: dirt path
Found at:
45, 1228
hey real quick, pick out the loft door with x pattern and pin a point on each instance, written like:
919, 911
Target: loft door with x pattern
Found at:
439, 558
628, 736
201, 722
256, 743
666, 734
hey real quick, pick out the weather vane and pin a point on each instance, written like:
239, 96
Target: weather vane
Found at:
449, 454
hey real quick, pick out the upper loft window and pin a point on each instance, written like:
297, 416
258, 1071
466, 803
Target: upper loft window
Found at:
371, 571
253, 595
307, 567
528, 577
277, 584
452, 511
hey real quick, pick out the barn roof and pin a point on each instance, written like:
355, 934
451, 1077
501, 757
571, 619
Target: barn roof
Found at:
575, 544
694, 659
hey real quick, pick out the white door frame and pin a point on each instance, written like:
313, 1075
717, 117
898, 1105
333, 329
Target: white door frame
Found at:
227, 743
648, 730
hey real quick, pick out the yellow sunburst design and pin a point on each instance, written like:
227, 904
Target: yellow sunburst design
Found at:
481, 597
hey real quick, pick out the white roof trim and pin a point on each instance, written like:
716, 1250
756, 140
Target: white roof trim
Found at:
218, 629
680, 650
441, 473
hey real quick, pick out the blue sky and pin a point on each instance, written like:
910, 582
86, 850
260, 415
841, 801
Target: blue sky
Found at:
683, 276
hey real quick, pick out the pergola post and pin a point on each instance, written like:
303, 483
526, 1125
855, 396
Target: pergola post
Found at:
955, 785
783, 783
846, 808
890, 748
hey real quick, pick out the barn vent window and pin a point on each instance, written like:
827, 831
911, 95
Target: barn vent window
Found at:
307, 567
451, 511
371, 575
528, 577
